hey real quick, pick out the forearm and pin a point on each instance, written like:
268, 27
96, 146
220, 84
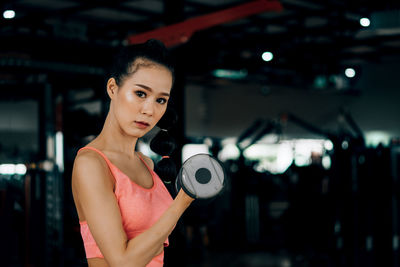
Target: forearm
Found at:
144, 247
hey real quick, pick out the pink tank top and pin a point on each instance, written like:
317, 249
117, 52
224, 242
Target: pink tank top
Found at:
140, 208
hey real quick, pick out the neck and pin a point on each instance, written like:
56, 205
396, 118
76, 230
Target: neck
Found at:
112, 138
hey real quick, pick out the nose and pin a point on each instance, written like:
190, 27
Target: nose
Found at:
147, 108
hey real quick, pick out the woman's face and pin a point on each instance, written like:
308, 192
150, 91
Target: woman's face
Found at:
141, 99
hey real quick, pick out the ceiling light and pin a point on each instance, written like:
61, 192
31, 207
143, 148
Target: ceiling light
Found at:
267, 56
365, 22
230, 74
11, 169
328, 145
350, 72
9, 14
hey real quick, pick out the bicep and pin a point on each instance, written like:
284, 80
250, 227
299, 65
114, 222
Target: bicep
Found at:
93, 190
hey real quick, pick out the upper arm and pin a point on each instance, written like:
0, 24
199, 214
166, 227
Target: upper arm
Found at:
92, 186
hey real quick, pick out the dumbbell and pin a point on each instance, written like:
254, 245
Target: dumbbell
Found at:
201, 176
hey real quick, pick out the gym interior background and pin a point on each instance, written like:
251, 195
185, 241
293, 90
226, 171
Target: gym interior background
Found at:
299, 99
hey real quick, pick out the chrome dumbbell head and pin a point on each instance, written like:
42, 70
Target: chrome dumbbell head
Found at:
201, 176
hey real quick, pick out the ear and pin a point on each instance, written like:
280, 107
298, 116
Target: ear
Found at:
112, 88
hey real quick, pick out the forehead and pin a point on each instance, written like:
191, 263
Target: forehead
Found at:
142, 66
154, 72
154, 76
145, 63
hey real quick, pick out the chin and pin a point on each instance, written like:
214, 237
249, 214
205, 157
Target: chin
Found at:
138, 133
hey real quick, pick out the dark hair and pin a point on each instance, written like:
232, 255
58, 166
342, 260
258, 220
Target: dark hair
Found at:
164, 144
130, 58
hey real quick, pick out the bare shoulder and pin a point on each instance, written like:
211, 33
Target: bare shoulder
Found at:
87, 159
147, 159
89, 166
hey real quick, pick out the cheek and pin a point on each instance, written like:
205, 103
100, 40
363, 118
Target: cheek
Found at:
129, 103
159, 112
162, 111
129, 98
125, 107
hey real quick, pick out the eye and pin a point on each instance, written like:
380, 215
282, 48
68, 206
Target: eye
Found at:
162, 101
140, 94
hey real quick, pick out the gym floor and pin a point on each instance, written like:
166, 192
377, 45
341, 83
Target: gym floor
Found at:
257, 259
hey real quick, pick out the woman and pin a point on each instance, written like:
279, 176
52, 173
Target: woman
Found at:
125, 212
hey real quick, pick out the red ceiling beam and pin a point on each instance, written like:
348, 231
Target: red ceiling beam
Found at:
179, 33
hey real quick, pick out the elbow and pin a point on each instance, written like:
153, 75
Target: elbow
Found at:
135, 258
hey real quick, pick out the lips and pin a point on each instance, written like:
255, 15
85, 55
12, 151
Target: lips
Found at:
142, 124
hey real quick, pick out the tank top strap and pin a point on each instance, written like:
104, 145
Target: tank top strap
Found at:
99, 152
144, 162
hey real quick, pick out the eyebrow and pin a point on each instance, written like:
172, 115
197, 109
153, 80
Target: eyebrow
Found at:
149, 89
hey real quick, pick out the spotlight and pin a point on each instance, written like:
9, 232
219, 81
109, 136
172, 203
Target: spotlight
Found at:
9, 14
350, 72
365, 22
267, 56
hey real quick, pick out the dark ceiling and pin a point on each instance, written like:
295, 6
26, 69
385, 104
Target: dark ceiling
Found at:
309, 38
